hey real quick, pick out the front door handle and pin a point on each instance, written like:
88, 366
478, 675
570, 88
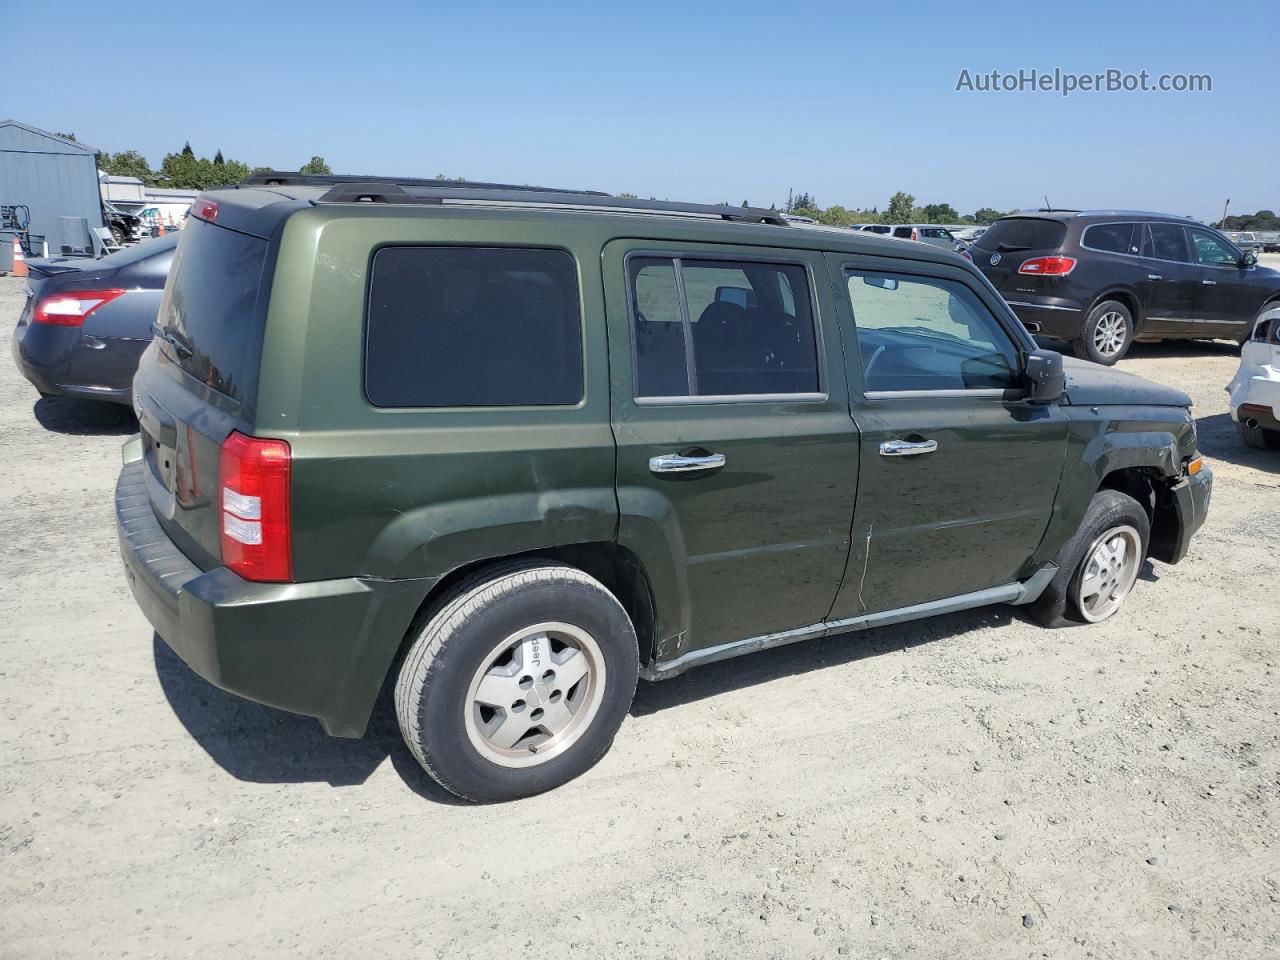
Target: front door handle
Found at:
1154, 276
907, 448
675, 463
1210, 283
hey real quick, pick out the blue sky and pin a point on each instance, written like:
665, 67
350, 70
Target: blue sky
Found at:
696, 101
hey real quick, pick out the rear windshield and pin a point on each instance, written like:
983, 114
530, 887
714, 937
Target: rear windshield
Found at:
210, 316
1023, 233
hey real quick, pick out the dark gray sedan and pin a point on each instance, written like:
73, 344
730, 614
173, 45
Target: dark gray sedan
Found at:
86, 322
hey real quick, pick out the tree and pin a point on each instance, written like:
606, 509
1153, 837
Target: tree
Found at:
187, 151
987, 216
126, 163
217, 159
67, 136
901, 208
837, 216
628, 196
315, 165
939, 213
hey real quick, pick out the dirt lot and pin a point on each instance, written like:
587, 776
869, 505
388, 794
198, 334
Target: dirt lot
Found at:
970, 786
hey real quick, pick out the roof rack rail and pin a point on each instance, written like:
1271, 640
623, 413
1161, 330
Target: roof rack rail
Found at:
470, 194
285, 178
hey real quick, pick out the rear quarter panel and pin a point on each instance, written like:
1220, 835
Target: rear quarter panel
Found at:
413, 493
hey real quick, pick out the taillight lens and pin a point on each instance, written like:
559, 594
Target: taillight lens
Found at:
70, 309
1048, 266
205, 209
915, 234
254, 480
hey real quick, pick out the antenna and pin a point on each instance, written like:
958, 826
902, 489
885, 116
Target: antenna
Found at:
1047, 205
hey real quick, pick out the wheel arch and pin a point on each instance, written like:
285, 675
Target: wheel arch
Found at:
1126, 296
616, 567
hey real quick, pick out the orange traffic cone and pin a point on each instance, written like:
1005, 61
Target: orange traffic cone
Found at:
19, 261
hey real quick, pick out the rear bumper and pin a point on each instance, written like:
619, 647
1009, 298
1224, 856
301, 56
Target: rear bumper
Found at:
321, 649
60, 362
1059, 320
1187, 508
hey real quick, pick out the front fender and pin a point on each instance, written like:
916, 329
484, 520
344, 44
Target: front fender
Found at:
1098, 447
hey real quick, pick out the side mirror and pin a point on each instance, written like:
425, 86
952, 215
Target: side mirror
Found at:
1047, 381
1250, 259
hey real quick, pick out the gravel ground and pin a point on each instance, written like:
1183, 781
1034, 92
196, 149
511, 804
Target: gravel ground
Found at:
968, 786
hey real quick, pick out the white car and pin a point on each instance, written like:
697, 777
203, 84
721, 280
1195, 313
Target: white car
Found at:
1255, 389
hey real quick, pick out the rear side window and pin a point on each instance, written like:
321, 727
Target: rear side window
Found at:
473, 326
902, 232
1023, 233
721, 328
210, 314
1110, 238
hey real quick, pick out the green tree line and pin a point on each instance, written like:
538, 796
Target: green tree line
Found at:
183, 170
901, 209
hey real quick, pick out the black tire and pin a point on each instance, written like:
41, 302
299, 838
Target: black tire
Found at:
1087, 345
1057, 606
454, 640
117, 234
1260, 438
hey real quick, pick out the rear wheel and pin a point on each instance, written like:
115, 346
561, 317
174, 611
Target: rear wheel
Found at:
1260, 438
1098, 567
518, 682
1107, 333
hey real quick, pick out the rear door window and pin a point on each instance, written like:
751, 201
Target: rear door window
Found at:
1166, 241
473, 326
1110, 238
722, 328
1023, 233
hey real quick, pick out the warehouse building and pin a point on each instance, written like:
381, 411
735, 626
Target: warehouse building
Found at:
55, 179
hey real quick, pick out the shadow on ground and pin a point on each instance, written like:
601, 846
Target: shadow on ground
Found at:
84, 418
260, 744
1160, 349
1218, 437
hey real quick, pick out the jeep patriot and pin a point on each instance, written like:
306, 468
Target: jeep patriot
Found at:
507, 450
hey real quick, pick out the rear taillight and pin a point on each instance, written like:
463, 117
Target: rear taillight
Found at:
70, 309
205, 209
1048, 266
254, 482
915, 234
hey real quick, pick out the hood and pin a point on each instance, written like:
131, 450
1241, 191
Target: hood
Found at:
1091, 384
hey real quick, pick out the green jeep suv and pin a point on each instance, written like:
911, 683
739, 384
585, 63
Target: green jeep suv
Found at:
506, 450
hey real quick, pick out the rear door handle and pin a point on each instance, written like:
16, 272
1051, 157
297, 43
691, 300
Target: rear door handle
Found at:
1154, 276
1210, 283
907, 448
675, 463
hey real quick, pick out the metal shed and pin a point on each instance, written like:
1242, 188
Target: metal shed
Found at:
51, 175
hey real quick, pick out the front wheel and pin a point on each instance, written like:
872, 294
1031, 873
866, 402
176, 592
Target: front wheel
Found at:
1107, 333
1098, 567
518, 682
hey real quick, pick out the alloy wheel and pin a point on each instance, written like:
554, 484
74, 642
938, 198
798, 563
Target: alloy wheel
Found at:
535, 694
1109, 333
1108, 573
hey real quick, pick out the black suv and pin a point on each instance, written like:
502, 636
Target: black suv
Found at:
1102, 279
